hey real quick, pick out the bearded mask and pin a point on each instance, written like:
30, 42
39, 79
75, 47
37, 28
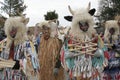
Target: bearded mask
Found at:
13, 32
46, 32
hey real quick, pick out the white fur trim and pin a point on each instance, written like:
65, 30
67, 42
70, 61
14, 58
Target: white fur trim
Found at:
84, 16
21, 30
111, 24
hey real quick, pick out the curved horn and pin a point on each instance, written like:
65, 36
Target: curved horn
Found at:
89, 5
71, 11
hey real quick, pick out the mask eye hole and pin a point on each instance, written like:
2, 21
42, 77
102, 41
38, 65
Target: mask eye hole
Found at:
82, 24
45, 27
13, 32
112, 30
13, 29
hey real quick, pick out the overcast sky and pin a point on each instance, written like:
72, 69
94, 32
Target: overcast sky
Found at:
37, 8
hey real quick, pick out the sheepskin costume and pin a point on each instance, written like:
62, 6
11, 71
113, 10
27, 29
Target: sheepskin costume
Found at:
82, 15
112, 71
20, 24
108, 25
18, 49
75, 57
49, 54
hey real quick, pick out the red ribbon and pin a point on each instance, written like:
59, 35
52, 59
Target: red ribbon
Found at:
11, 54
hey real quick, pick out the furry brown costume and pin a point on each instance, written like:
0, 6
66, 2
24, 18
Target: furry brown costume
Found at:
48, 53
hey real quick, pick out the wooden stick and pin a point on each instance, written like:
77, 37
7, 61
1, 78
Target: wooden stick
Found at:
93, 43
108, 44
70, 45
85, 52
83, 47
76, 49
7, 64
1, 59
3, 40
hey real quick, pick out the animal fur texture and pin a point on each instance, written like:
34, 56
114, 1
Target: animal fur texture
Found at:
48, 52
20, 24
21, 38
81, 18
82, 15
51, 25
111, 24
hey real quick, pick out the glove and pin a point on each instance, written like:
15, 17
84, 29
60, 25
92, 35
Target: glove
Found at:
58, 64
55, 71
17, 65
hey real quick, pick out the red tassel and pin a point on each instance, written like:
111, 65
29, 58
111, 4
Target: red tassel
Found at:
70, 74
118, 76
106, 54
70, 42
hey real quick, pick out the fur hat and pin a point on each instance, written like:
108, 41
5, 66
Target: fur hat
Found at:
50, 24
108, 25
19, 23
81, 15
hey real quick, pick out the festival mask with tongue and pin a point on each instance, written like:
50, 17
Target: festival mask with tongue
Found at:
83, 26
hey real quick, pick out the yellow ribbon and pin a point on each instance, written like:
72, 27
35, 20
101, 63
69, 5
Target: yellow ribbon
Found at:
101, 43
32, 46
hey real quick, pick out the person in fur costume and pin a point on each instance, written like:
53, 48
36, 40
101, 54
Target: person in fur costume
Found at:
111, 31
112, 40
79, 55
49, 49
14, 58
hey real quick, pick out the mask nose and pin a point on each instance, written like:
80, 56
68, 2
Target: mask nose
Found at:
13, 32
